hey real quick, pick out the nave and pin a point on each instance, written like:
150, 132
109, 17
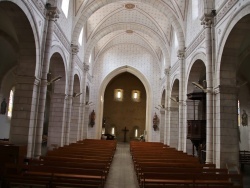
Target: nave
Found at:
122, 172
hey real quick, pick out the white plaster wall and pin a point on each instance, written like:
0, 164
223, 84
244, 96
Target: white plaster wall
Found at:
193, 28
66, 23
174, 49
136, 57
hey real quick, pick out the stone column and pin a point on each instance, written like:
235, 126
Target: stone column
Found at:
227, 130
182, 123
24, 112
167, 105
85, 108
74, 51
162, 125
173, 136
52, 15
207, 23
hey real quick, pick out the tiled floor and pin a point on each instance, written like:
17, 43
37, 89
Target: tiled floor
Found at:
122, 173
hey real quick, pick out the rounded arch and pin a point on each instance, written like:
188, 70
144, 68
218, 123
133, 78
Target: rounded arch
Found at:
106, 46
235, 18
198, 56
77, 71
26, 9
175, 77
93, 7
55, 49
163, 97
144, 81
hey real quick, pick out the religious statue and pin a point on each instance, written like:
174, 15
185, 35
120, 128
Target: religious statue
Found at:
92, 118
244, 118
3, 107
155, 122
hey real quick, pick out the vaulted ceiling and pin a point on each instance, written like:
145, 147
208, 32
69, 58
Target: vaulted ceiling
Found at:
147, 23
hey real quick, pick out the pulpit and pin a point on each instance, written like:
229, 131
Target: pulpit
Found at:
196, 123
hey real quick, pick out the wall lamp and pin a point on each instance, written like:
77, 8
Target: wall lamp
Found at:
50, 81
201, 87
76, 94
175, 99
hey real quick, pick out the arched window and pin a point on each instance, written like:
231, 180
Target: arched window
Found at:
10, 105
65, 7
176, 43
90, 58
136, 132
195, 9
113, 130
80, 37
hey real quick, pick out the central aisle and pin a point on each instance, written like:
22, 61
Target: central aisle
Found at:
121, 173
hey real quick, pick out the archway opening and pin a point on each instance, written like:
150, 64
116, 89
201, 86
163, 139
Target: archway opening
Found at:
196, 110
125, 107
234, 77
174, 115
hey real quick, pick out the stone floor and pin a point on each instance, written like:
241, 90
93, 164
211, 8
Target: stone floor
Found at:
122, 173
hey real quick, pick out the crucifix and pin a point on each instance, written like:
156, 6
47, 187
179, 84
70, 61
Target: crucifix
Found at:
125, 130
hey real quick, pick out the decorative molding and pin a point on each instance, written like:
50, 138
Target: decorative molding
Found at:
89, 77
78, 62
166, 71
181, 54
52, 13
174, 68
40, 6
129, 6
62, 37
207, 20
224, 10
85, 67
195, 43
74, 49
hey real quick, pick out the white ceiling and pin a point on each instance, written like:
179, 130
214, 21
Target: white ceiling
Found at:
152, 26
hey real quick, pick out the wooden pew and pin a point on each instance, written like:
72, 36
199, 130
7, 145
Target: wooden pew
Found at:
244, 158
78, 165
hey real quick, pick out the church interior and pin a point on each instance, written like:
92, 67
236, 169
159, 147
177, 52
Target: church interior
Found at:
129, 82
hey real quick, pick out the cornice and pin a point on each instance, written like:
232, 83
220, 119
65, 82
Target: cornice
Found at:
224, 10
197, 41
62, 37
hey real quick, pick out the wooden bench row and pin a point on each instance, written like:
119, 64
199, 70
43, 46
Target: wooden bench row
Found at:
157, 165
63, 169
244, 158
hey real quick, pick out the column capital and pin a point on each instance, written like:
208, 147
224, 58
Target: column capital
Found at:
181, 54
74, 49
52, 13
86, 67
207, 20
166, 71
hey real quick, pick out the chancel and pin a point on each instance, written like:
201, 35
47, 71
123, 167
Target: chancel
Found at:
81, 80
125, 130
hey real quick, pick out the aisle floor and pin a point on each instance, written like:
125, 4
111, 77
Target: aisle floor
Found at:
122, 174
